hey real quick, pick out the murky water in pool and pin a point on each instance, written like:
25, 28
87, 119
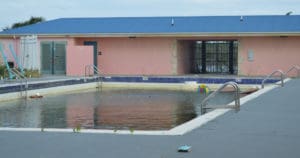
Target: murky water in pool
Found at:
134, 109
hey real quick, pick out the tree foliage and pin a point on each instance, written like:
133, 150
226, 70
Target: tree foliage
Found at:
32, 20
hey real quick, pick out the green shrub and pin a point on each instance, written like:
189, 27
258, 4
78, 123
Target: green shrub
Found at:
77, 129
32, 73
28, 73
3, 71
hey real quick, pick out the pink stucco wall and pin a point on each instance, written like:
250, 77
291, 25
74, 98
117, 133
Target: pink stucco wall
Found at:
77, 58
270, 53
135, 56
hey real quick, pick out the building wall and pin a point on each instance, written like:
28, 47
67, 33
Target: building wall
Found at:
135, 56
270, 53
167, 56
76, 56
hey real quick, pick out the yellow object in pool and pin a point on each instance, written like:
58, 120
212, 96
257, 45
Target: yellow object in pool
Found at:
207, 90
204, 89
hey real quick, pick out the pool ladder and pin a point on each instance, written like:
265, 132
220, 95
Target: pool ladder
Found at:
295, 67
204, 107
282, 75
23, 81
96, 71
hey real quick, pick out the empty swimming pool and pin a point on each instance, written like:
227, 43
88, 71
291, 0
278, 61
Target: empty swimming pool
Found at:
115, 110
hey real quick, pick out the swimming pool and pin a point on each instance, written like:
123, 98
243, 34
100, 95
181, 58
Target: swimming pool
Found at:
115, 110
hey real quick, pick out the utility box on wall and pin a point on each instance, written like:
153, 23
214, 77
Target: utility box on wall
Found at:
250, 55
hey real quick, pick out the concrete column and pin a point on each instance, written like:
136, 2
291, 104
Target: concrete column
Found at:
174, 58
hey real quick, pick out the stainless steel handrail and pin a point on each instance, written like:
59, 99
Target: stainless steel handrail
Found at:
95, 70
236, 87
89, 67
282, 76
295, 67
22, 78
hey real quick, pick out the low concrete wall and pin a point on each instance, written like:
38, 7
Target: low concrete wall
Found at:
77, 58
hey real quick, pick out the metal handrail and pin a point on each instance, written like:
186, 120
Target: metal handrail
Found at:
295, 67
89, 67
282, 76
22, 78
203, 104
95, 70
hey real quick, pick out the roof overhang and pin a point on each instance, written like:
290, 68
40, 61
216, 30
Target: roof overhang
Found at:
206, 34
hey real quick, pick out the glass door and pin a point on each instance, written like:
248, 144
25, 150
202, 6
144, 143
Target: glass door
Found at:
53, 58
46, 58
59, 58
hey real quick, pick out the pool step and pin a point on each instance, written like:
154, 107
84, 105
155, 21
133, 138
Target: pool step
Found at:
220, 107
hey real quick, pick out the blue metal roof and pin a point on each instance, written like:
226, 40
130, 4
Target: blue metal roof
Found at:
163, 25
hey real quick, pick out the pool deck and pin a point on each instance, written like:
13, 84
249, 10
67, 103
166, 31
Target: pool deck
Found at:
267, 126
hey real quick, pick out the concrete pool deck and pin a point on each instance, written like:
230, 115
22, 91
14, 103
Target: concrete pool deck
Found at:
267, 126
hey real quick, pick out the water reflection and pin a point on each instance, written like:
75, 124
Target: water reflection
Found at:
138, 110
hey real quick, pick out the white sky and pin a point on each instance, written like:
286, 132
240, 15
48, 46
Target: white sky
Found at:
20, 10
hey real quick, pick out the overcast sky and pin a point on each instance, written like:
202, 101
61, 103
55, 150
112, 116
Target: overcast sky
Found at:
20, 10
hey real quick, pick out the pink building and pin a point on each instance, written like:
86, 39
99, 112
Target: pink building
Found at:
238, 45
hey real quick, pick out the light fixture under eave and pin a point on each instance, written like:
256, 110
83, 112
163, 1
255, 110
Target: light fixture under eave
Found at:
241, 18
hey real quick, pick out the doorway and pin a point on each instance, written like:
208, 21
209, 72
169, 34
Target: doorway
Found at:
95, 49
218, 57
53, 58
